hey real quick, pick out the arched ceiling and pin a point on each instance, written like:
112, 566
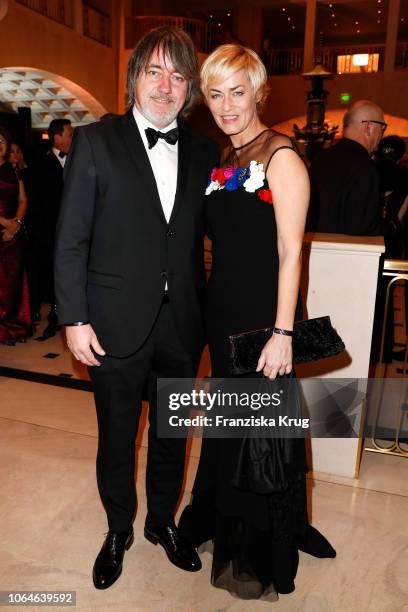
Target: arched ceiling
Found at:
48, 96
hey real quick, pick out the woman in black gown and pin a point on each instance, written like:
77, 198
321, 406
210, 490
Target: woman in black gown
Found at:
256, 210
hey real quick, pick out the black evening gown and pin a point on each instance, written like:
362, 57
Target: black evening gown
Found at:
256, 537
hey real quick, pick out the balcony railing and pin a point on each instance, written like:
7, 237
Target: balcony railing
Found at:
290, 61
58, 10
97, 25
204, 35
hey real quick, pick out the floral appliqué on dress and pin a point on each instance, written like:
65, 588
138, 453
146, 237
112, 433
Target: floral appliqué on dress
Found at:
251, 178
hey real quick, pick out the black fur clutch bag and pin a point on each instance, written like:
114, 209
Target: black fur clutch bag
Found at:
312, 339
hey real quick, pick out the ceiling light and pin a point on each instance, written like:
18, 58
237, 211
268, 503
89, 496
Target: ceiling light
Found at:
356, 22
289, 18
333, 15
283, 9
379, 12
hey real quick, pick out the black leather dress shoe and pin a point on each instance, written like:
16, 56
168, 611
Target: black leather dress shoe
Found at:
108, 564
179, 551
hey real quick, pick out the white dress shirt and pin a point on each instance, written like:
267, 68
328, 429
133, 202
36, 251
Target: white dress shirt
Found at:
163, 159
60, 159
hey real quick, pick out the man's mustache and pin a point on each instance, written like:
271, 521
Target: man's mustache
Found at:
163, 98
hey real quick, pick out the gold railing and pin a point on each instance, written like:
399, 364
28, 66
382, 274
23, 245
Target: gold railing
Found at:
58, 10
204, 35
394, 270
96, 25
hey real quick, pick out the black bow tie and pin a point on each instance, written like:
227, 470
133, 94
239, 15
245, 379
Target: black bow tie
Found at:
153, 136
62, 154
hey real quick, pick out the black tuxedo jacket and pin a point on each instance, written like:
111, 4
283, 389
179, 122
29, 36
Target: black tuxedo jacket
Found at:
345, 197
45, 194
115, 251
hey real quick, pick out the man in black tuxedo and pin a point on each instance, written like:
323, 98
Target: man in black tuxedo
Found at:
345, 196
129, 277
46, 180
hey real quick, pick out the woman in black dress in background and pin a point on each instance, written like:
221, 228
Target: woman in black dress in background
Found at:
257, 202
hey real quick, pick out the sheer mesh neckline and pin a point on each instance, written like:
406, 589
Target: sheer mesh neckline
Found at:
252, 140
259, 149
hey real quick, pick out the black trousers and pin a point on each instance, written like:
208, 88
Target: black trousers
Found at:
39, 263
118, 386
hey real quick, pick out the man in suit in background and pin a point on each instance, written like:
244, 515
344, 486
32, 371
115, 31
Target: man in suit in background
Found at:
129, 276
345, 197
46, 179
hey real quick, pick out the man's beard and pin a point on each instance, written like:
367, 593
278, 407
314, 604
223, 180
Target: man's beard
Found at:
160, 119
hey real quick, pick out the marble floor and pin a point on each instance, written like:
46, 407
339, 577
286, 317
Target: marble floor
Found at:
53, 524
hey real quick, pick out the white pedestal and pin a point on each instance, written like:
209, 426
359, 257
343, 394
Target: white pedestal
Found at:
340, 279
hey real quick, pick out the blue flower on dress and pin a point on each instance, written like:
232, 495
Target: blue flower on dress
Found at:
237, 179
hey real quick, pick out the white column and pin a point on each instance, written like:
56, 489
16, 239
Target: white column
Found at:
339, 279
392, 34
310, 27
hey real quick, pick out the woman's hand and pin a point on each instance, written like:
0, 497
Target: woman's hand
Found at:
11, 226
7, 235
276, 356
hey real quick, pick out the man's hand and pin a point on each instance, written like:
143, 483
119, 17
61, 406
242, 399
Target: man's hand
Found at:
79, 339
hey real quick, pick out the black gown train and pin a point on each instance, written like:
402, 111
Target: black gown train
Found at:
256, 537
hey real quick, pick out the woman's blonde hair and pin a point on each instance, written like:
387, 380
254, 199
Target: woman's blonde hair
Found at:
225, 60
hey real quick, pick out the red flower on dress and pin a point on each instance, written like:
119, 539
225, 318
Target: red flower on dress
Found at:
218, 175
222, 175
265, 195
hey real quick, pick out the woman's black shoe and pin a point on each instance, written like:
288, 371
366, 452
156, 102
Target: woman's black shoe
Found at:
51, 330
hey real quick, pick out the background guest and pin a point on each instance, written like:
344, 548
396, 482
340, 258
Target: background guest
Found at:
394, 192
47, 185
15, 318
16, 157
394, 197
345, 195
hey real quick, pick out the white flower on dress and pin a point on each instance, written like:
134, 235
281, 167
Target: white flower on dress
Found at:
256, 177
213, 186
